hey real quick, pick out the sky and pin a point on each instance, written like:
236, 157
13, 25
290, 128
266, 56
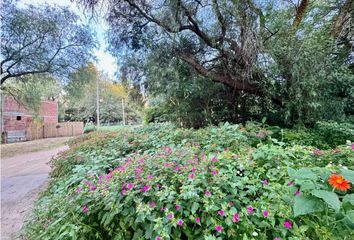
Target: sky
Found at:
105, 61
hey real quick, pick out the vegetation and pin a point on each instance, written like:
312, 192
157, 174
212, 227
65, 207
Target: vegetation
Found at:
207, 62
80, 101
249, 116
45, 39
226, 182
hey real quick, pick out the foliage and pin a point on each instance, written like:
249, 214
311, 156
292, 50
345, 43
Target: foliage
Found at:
218, 61
33, 90
226, 182
42, 39
81, 98
324, 135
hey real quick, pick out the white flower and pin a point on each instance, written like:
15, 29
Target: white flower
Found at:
255, 234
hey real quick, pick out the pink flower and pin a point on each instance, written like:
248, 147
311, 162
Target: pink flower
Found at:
177, 168
167, 149
197, 219
141, 160
287, 224
352, 146
162, 209
265, 213
236, 217
191, 175
218, 228
146, 188
250, 210
180, 222
124, 191
167, 165
297, 192
214, 159
109, 175
150, 177
178, 207
130, 186
78, 190
152, 204
93, 188
221, 212
291, 184
170, 215
207, 193
85, 209
194, 169
277, 238
158, 186
265, 182
317, 151
214, 172
158, 238
88, 183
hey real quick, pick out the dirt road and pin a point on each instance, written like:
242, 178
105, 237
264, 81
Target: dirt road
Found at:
22, 177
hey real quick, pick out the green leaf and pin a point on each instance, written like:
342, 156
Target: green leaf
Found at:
302, 173
195, 207
349, 198
307, 204
306, 173
348, 174
307, 185
329, 197
291, 172
350, 216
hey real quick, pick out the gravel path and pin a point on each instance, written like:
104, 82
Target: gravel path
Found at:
22, 178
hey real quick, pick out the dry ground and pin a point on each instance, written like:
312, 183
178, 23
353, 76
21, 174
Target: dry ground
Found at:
12, 149
24, 172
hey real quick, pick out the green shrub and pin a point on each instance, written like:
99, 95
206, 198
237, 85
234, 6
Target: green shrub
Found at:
335, 133
89, 128
240, 182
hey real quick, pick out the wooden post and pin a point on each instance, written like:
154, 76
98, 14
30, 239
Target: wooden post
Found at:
123, 112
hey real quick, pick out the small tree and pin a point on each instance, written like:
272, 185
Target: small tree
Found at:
42, 39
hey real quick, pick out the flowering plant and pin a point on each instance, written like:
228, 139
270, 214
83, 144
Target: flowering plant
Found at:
155, 183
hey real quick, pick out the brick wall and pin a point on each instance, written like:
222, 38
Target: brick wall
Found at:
15, 117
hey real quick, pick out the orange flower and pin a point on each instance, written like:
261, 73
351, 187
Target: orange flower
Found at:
339, 182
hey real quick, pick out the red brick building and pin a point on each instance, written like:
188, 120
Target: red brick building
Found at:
15, 118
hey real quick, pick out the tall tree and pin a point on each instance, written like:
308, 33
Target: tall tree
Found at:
42, 39
264, 50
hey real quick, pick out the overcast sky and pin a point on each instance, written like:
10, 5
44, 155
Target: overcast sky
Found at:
105, 60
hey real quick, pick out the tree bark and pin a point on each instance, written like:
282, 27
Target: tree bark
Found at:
341, 18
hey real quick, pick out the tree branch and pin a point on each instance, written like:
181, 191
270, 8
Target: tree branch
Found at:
341, 18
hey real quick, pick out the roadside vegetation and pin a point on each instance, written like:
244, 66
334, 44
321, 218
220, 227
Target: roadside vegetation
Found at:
247, 109
226, 182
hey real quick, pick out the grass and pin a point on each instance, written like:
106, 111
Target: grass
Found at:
111, 128
11, 149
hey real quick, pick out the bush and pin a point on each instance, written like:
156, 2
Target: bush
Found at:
226, 182
333, 133
89, 128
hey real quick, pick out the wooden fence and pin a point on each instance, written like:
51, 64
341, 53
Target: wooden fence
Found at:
50, 130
